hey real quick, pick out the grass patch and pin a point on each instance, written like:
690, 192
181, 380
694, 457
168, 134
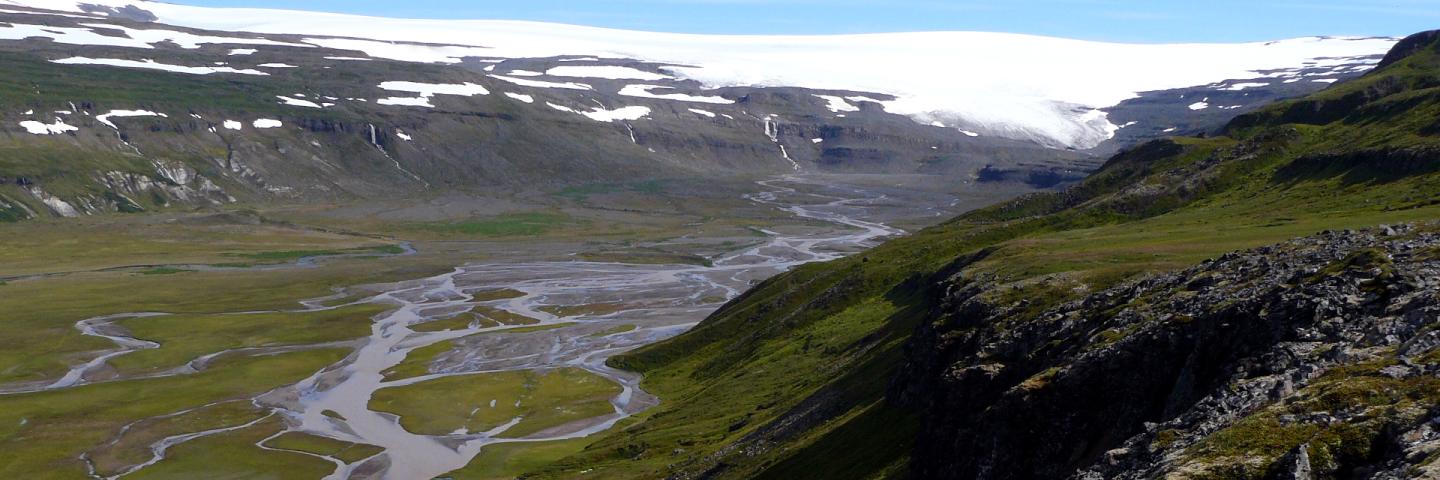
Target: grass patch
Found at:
507, 225
43, 434
1374, 401
38, 339
507, 461
458, 322
285, 256
133, 448
417, 363
184, 338
646, 258
588, 310
234, 455
500, 294
504, 317
345, 451
163, 271
616, 330
478, 403
583, 192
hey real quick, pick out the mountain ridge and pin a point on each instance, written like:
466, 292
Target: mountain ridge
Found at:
344, 125
932, 74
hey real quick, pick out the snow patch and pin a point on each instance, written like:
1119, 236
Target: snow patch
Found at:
406, 52
838, 104
431, 89
543, 84
130, 38
607, 115
153, 65
520, 97
1199, 106
188, 40
295, 102
428, 91
644, 91
267, 123
702, 112
67, 35
56, 128
1242, 86
406, 101
233, 125
276, 65
606, 72
105, 119
243, 51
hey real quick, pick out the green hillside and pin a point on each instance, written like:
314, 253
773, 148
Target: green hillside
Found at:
810, 376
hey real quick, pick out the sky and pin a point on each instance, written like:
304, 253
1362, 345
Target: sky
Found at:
1155, 21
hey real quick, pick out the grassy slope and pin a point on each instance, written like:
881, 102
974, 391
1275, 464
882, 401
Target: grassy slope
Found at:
826, 338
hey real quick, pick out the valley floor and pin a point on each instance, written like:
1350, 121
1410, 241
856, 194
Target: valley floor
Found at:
419, 338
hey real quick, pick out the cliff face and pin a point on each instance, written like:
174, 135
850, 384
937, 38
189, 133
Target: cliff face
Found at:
1316, 355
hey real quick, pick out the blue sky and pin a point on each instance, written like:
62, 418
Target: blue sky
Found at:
1110, 20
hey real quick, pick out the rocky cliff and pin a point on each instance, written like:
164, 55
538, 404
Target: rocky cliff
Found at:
1319, 355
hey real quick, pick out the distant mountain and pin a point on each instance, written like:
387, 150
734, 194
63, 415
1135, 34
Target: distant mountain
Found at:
1263, 303
133, 105
1049, 90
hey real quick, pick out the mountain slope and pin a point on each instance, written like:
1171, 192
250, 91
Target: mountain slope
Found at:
1043, 338
962, 79
132, 113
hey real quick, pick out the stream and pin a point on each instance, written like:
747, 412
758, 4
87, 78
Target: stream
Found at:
660, 300
644, 304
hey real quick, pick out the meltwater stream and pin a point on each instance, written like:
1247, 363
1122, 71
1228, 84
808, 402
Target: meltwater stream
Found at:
658, 301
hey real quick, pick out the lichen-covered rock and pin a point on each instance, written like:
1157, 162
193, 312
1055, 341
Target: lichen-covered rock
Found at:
1315, 358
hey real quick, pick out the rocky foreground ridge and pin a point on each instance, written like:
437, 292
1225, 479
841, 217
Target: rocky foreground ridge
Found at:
1314, 358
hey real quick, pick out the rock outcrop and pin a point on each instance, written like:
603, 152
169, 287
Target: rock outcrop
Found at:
1314, 358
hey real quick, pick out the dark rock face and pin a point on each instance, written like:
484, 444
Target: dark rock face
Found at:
128, 12
1204, 109
1152, 378
1382, 164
